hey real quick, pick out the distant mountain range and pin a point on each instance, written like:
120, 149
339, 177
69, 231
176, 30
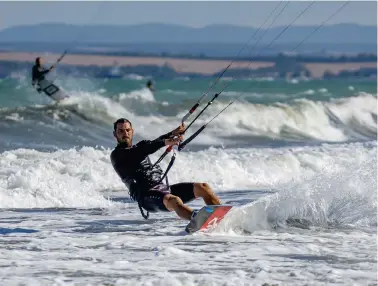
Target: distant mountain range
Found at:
167, 33
215, 40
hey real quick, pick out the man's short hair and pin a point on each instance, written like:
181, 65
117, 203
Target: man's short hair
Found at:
121, 120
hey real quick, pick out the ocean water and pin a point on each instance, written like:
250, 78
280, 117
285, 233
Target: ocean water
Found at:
298, 159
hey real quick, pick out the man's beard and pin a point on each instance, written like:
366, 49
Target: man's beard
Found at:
125, 141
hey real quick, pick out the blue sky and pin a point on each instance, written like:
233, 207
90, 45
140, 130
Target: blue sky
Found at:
190, 13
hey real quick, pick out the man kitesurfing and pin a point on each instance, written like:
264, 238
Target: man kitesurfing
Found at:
145, 180
43, 85
150, 86
38, 73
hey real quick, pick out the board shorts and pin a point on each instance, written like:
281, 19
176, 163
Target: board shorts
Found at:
153, 200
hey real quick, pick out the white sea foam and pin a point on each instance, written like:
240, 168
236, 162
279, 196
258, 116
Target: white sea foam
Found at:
104, 243
37, 179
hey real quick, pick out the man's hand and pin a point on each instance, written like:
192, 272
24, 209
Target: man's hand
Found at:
179, 130
173, 141
52, 67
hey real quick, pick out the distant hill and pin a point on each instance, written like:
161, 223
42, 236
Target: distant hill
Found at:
167, 33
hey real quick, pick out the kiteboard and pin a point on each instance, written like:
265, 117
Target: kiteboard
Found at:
52, 90
207, 218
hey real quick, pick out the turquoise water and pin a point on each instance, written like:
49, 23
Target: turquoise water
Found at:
270, 112
302, 151
16, 92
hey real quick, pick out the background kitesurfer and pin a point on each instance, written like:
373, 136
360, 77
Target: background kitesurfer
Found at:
38, 73
150, 86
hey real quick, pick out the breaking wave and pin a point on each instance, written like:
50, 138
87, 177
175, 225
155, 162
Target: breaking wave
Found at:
301, 120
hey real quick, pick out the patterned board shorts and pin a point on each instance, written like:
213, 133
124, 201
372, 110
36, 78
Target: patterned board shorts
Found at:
153, 200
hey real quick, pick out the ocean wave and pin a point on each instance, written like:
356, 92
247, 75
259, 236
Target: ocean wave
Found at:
301, 120
345, 197
77, 177
338, 120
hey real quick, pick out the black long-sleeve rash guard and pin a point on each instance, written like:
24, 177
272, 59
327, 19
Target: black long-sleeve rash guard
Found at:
38, 74
134, 167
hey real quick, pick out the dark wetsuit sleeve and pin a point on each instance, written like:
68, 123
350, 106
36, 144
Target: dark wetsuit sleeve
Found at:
140, 150
37, 74
34, 74
165, 136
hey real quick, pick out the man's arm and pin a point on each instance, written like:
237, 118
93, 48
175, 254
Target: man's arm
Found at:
178, 131
37, 74
34, 75
141, 149
144, 148
43, 72
165, 136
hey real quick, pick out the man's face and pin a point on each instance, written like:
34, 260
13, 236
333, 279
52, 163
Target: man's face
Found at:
124, 133
40, 61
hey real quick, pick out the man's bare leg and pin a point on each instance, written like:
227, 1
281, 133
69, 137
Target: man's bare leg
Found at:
173, 203
203, 190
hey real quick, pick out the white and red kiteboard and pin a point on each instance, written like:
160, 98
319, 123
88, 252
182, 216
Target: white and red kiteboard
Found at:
207, 218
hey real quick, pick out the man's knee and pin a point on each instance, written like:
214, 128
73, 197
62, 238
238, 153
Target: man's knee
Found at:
172, 202
201, 189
